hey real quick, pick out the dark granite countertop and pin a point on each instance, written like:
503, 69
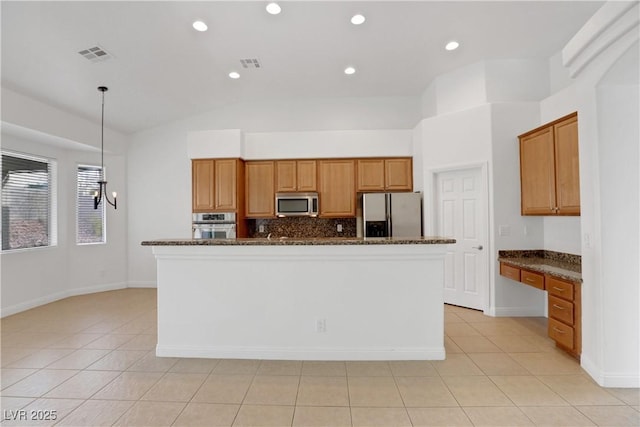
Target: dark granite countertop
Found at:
301, 241
558, 264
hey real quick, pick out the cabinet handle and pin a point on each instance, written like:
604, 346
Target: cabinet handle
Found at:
558, 330
558, 307
559, 289
529, 279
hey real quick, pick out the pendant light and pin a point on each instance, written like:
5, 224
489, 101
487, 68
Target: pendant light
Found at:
97, 196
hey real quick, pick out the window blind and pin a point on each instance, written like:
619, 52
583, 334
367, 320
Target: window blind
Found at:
90, 221
28, 201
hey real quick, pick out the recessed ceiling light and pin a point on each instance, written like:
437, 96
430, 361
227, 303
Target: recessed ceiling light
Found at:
200, 26
452, 45
274, 8
357, 19
234, 75
349, 70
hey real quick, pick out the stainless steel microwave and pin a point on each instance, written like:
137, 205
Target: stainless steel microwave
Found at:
296, 204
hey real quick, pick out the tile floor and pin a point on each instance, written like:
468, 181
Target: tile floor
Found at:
91, 360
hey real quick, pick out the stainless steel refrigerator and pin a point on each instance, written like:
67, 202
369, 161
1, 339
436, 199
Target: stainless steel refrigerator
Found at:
389, 215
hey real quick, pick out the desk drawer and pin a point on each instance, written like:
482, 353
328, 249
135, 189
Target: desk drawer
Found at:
532, 279
510, 272
561, 333
561, 310
560, 288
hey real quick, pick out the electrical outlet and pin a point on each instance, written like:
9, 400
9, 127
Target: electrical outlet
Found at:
339, 227
321, 325
261, 228
504, 230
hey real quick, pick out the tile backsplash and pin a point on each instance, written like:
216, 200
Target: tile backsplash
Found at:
302, 227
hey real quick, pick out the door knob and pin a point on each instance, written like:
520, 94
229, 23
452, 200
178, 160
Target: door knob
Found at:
479, 247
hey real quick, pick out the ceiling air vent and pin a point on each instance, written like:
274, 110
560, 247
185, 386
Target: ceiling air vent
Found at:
250, 63
95, 54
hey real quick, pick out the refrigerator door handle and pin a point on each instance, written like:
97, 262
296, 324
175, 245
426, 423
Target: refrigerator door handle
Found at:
389, 222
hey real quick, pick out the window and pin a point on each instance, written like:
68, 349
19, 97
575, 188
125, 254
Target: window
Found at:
91, 221
28, 201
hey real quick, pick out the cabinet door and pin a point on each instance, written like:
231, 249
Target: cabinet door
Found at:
285, 175
567, 168
307, 174
202, 188
260, 192
337, 188
225, 185
537, 173
371, 174
398, 174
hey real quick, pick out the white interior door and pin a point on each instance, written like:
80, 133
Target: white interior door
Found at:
461, 206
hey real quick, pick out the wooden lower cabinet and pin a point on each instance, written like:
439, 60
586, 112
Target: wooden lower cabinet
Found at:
564, 305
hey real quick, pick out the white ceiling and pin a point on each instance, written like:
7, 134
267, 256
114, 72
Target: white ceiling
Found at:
163, 70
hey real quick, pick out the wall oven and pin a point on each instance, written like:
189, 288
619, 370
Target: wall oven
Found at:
214, 225
296, 204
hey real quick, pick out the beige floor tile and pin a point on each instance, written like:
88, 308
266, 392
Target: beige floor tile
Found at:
37, 384
374, 392
474, 316
460, 330
117, 360
424, 392
323, 391
630, 396
368, 369
324, 368
104, 327
9, 376
476, 345
489, 417
440, 417
450, 317
236, 366
194, 366
318, 416
207, 414
528, 391
76, 341
497, 364
476, 391
611, 416
547, 363
45, 412
579, 390
31, 339
83, 385
451, 347
134, 327
14, 403
152, 363
383, 417
522, 344
456, 364
79, 359
505, 328
109, 341
224, 389
175, 387
280, 367
129, 386
11, 355
556, 416
412, 368
264, 416
156, 414
273, 390
40, 358
140, 342
96, 413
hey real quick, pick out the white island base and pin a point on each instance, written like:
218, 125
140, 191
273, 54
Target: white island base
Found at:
301, 302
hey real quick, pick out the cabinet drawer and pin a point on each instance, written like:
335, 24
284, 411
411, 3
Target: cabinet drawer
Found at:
561, 310
512, 273
560, 288
561, 333
532, 279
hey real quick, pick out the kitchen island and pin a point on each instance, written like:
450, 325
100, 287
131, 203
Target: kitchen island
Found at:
301, 299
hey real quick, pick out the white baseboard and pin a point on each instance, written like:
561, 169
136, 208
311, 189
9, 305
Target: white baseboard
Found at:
517, 311
609, 379
142, 284
274, 353
36, 302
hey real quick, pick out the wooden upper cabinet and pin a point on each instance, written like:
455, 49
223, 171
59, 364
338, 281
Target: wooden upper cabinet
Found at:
394, 174
337, 188
260, 189
215, 185
295, 175
549, 172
